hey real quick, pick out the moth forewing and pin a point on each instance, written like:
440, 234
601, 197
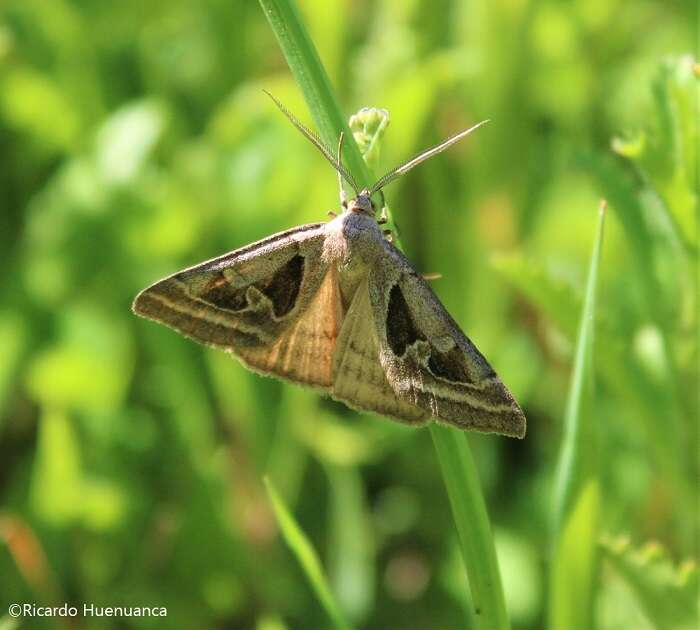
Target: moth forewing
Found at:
337, 307
245, 298
428, 359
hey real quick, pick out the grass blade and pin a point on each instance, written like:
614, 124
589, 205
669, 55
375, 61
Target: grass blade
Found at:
473, 527
308, 71
452, 449
577, 498
306, 555
464, 492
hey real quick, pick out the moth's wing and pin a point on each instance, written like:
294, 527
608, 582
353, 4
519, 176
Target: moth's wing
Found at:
358, 376
270, 303
428, 360
303, 352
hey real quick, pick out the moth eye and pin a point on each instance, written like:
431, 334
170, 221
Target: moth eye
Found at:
283, 288
220, 293
449, 365
401, 332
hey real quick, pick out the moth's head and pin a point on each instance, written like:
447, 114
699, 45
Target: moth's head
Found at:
363, 203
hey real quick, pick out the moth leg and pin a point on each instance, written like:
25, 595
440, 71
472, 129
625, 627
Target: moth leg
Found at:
343, 194
388, 235
332, 214
383, 218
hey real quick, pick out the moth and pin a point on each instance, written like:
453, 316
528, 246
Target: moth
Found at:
336, 306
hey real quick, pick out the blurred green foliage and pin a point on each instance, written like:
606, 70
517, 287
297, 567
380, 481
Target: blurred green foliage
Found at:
136, 140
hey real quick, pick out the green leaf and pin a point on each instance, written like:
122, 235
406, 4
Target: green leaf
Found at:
668, 594
577, 497
670, 163
306, 555
574, 566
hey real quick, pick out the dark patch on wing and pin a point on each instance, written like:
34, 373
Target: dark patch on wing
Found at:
283, 288
451, 365
401, 332
221, 294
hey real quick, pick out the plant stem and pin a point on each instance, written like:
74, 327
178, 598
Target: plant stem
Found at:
472, 521
306, 555
304, 62
453, 452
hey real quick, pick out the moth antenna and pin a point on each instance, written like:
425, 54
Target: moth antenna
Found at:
421, 157
318, 143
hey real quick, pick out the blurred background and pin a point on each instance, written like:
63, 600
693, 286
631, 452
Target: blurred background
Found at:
135, 140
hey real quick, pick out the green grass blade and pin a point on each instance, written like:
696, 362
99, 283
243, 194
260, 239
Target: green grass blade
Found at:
304, 62
306, 555
473, 527
577, 498
452, 448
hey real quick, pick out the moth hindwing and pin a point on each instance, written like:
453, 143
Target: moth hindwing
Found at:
337, 307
